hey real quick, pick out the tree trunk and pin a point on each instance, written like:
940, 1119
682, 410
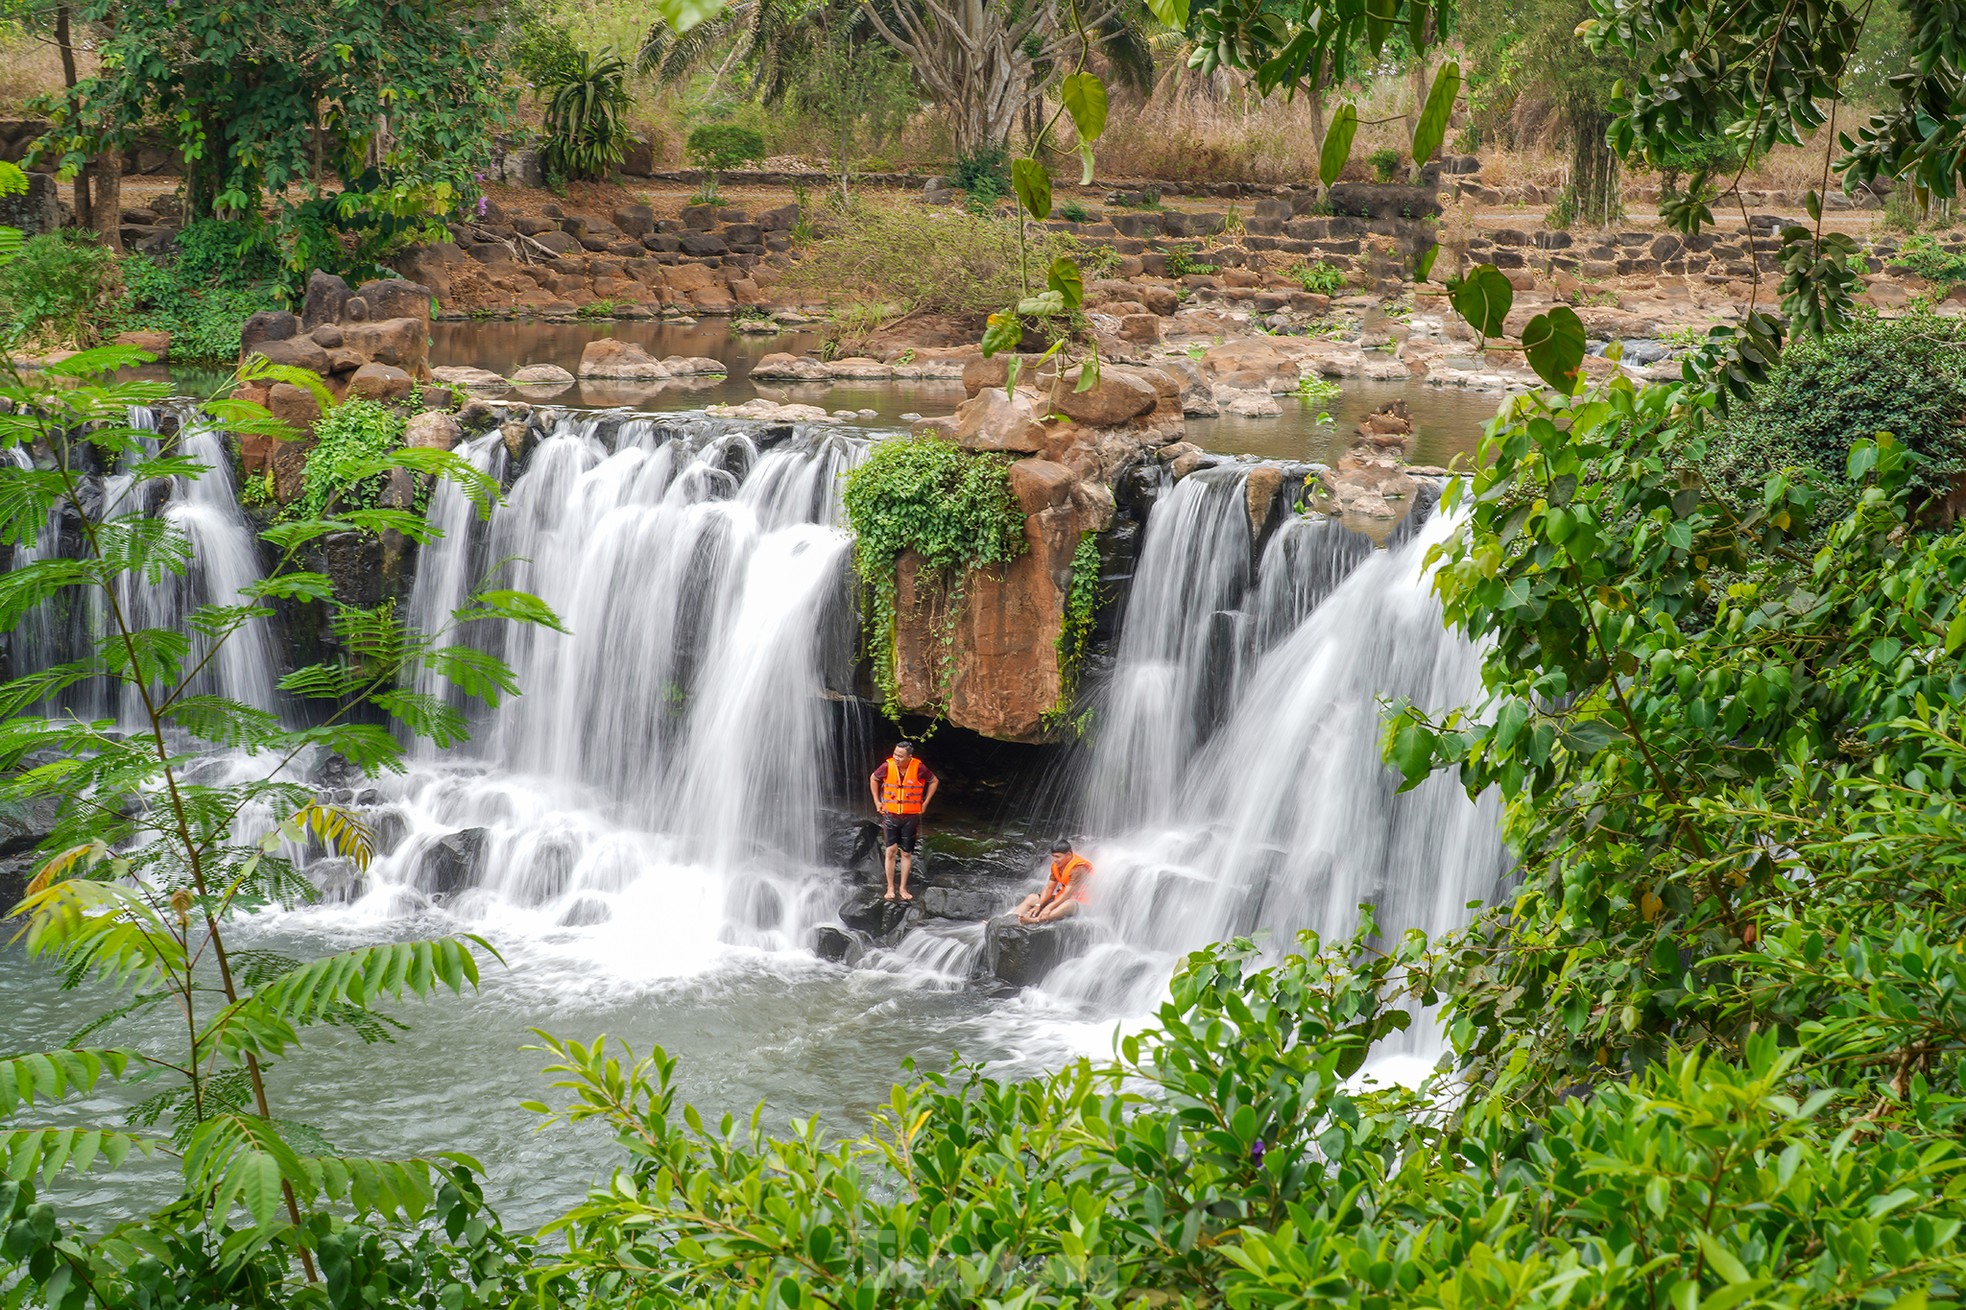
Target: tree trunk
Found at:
64, 38
1417, 86
107, 214
1316, 104
1593, 193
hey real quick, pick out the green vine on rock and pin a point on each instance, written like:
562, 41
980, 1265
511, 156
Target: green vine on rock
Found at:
1075, 628
952, 508
349, 437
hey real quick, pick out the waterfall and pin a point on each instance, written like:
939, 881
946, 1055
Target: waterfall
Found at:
666, 763
223, 554
1283, 817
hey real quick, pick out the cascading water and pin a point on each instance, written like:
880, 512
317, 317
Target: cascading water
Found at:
1284, 817
224, 561
664, 767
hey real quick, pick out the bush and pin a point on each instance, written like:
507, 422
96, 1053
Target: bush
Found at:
349, 439
58, 293
983, 177
919, 259
586, 98
1905, 376
718, 147
219, 275
1924, 256
1384, 163
1324, 278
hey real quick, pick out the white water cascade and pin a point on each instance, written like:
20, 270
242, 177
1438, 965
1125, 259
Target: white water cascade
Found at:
660, 779
1282, 815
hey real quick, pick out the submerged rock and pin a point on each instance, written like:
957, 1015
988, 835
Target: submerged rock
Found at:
1022, 955
835, 945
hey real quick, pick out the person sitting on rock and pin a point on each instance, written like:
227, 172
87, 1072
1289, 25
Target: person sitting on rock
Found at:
902, 788
1064, 890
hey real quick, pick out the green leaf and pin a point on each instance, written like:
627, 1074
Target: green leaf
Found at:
1066, 279
1043, 305
1337, 144
682, 15
1173, 13
1002, 332
1431, 130
1555, 345
1483, 297
1425, 264
1088, 373
1724, 1262
1085, 100
1033, 186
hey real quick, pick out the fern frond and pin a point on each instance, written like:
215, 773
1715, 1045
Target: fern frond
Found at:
25, 1152
101, 928
266, 1022
41, 1077
476, 673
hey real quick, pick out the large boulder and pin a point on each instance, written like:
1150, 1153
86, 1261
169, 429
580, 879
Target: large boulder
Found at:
396, 297
450, 864
383, 382
965, 903
327, 296
433, 429
994, 421
295, 352
1021, 955
1114, 399
610, 357
268, 325
542, 376
399, 341
463, 376
783, 367
880, 919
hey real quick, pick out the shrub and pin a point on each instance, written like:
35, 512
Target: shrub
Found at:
219, 275
1181, 262
953, 508
1924, 256
1905, 376
1384, 163
348, 441
922, 259
1322, 277
1073, 212
983, 177
58, 292
586, 99
717, 147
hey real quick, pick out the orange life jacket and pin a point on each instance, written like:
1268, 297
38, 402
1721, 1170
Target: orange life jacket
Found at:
901, 793
1070, 876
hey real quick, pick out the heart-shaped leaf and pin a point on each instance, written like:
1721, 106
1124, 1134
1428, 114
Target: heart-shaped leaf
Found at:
1554, 343
1425, 264
1002, 332
1067, 281
1085, 100
1483, 297
1033, 187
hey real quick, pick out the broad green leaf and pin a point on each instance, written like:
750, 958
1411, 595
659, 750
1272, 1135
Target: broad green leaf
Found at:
1483, 297
1431, 130
682, 15
1173, 13
1724, 1262
1002, 331
1088, 373
1425, 264
1042, 305
1555, 344
1085, 100
1033, 186
1337, 144
1066, 279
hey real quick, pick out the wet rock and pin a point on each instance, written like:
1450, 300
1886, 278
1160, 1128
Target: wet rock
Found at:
869, 912
835, 945
1021, 955
450, 865
471, 379
24, 824
1246, 404
338, 880
433, 429
387, 828
854, 844
585, 912
781, 366
542, 376
610, 357
16, 871
353, 563
1260, 494
772, 412
966, 903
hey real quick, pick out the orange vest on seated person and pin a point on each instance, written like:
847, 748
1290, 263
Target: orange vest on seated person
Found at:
901, 791
1071, 875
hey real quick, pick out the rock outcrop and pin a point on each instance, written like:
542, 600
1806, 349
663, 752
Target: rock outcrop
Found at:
1021, 955
1370, 480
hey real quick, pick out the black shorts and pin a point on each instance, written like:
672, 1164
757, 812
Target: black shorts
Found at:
901, 830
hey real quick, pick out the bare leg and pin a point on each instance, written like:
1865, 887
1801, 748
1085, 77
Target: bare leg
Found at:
891, 852
1062, 910
907, 864
1027, 908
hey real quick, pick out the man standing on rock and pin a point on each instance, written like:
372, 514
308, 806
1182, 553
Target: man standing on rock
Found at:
902, 788
1064, 889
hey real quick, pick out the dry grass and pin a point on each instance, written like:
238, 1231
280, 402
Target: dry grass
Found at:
29, 67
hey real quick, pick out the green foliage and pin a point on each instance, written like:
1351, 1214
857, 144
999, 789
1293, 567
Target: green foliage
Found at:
1322, 277
1181, 262
1905, 376
350, 443
545, 53
1074, 212
1081, 608
1316, 389
586, 101
983, 177
1384, 163
953, 509
58, 292
1924, 256
259, 97
717, 147
353, 232
136, 898
218, 276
